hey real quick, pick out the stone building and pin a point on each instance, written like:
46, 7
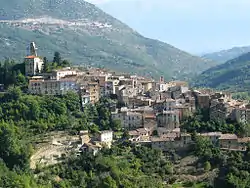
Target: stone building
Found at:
40, 86
94, 92
168, 119
129, 119
33, 63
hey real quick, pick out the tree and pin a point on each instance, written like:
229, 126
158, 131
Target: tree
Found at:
57, 58
207, 166
21, 81
12, 150
203, 147
125, 135
116, 125
65, 63
109, 182
72, 101
45, 65
13, 93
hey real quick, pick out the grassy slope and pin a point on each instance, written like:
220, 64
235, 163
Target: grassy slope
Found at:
121, 48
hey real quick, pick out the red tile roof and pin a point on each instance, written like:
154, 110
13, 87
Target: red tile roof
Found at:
30, 57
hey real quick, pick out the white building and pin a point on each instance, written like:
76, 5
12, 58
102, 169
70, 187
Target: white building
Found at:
52, 87
58, 74
106, 136
85, 97
33, 65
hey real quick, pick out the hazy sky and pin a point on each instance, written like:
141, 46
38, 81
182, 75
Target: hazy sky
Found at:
196, 26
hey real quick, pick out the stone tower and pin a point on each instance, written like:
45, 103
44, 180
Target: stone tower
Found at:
33, 49
33, 63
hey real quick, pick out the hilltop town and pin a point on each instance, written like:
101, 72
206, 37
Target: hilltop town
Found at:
124, 94
152, 111
91, 126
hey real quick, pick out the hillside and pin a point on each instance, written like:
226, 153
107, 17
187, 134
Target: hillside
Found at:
233, 75
226, 55
88, 36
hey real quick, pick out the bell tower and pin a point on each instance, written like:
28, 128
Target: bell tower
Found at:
33, 63
33, 49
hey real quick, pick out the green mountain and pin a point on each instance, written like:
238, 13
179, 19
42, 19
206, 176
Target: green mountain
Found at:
234, 75
88, 36
226, 55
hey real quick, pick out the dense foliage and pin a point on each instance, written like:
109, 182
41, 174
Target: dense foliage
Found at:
23, 116
233, 167
57, 63
122, 166
12, 73
200, 123
47, 113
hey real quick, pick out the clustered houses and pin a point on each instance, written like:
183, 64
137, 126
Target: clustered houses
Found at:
151, 104
178, 140
182, 102
102, 139
150, 110
221, 106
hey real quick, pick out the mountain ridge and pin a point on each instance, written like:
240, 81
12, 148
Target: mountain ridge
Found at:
87, 35
226, 55
234, 75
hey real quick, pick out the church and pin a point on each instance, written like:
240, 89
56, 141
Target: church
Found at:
33, 63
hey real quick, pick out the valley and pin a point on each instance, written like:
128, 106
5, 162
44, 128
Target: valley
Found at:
87, 101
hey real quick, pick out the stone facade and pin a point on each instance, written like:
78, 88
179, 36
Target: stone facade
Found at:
52, 87
129, 120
